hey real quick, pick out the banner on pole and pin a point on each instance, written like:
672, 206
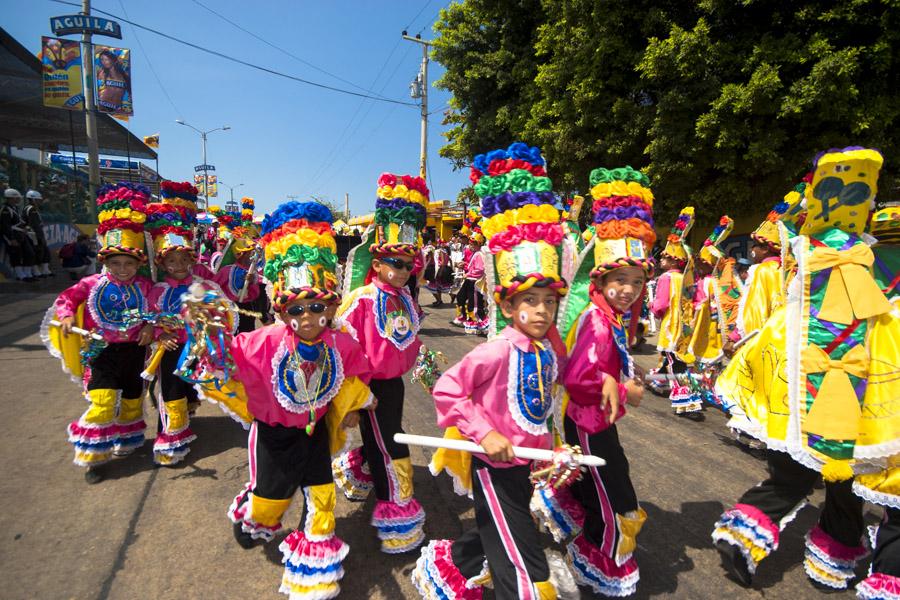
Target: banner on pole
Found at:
61, 73
209, 188
112, 71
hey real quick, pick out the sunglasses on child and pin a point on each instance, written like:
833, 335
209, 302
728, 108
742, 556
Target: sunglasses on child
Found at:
297, 310
398, 264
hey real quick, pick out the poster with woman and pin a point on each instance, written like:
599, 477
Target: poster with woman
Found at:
112, 71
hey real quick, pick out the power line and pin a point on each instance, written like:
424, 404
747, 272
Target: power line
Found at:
150, 64
343, 138
280, 49
421, 10
240, 61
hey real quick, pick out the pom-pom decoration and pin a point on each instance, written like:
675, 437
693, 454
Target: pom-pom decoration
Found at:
520, 219
300, 253
400, 214
172, 221
122, 214
676, 246
711, 251
623, 219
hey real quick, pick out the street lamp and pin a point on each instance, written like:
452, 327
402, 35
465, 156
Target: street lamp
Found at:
231, 205
203, 135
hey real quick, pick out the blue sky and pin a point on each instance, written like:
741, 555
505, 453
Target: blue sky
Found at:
287, 138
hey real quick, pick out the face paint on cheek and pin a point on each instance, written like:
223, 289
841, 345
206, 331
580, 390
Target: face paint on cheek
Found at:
611, 294
390, 274
294, 325
523, 317
322, 321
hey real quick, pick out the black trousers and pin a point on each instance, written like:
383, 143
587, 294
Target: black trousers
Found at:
171, 386
284, 459
789, 483
609, 485
119, 367
505, 535
378, 428
886, 557
470, 300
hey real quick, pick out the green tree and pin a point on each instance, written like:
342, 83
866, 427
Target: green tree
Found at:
746, 95
722, 102
487, 47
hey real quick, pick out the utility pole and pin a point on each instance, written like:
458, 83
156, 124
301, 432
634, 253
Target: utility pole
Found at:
418, 89
90, 118
347, 206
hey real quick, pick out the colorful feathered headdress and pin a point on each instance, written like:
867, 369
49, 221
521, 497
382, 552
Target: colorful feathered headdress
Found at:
171, 222
122, 213
711, 251
623, 219
300, 253
519, 219
400, 213
676, 243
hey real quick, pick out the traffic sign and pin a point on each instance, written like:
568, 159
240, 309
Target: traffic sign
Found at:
199, 168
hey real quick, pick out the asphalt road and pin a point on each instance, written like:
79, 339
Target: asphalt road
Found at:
147, 532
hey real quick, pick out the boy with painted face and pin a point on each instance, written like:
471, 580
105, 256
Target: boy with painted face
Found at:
500, 394
380, 313
300, 382
171, 223
600, 380
105, 304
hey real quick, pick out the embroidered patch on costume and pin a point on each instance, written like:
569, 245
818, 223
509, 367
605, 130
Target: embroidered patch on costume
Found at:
528, 406
108, 301
298, 392
399, 326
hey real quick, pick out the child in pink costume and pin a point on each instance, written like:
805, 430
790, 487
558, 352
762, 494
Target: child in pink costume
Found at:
600, 378
109, 304
385, 319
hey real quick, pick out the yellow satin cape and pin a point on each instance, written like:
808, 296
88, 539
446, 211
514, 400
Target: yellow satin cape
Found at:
66, 348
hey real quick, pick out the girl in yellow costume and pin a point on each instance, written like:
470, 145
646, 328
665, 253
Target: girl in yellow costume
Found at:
881, 416
709, 329
675, 309
810, 367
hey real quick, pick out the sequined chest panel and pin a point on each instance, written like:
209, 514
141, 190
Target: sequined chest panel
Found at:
170, 302
396, 318
108, 303
300, 389
236, 280
530, 388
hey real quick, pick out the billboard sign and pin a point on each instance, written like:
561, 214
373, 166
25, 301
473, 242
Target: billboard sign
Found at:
112, 72
63, 86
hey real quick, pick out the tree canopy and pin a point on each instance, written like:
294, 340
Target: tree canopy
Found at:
722, 103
